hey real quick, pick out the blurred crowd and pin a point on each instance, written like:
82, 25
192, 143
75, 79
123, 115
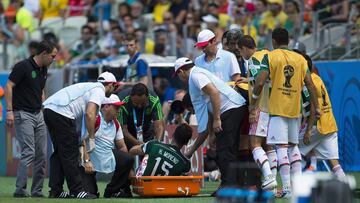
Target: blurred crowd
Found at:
163, 27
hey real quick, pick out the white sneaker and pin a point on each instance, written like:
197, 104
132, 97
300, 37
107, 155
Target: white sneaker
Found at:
286, 192
269, 182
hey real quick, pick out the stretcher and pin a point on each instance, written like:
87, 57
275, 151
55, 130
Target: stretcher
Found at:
152, 186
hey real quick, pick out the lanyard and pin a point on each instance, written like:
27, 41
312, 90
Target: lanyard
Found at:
135, 119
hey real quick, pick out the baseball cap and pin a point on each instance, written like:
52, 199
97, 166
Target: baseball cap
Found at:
300, 47
204, 37
106, 77
180, 62
210, 19
114, 100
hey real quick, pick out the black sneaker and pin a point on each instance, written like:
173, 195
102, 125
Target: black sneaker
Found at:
121, 194
84, 195
63, 194
21, 195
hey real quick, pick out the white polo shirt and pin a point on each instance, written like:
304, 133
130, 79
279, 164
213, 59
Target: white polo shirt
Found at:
102, 157
224, 66
198, 79
71, 101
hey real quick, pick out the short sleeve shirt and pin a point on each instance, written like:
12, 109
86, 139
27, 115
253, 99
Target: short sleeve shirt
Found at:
29, 81
143, 117
224, 65
164, 160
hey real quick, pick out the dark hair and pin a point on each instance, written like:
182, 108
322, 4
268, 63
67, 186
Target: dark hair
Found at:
224, 35
177, 107
281, 36
124, 4
87, 27
46, 46
182, 134
33, 45
50, 36
139, 89
130, 37
186, 101
247, 41
116, 28
213, 5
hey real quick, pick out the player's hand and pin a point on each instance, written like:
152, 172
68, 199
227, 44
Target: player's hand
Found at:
10, 119
307, 137
242, 80
139, 142
89, 168
252, 115
91, 144
188, 154
217, 125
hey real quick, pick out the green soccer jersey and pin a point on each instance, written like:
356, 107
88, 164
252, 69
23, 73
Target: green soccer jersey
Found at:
164, 160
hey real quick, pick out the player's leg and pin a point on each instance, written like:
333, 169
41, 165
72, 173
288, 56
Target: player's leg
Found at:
258, 133
278, 136
328, 149
294, 152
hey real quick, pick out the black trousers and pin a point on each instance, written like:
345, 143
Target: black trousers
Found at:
64, 160
119, 180
227, 142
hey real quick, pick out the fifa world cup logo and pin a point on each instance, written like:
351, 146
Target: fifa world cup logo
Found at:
323, 95
288, 73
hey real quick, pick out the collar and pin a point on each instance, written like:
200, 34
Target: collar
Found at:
32, 61
284, 48
133, 59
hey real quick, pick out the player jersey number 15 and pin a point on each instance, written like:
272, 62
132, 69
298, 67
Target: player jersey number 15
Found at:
165, 166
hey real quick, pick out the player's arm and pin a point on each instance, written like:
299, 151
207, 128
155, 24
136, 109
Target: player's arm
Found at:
9, 98
313, 94
130, 137
89, 168
214, 94
158, 119
198, 142
120, 145
310, 123
90, 118
260, 81
137, 150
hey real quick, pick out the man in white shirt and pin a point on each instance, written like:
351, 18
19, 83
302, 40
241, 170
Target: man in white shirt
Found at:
220, 62
216, 105
110, 154
61, 111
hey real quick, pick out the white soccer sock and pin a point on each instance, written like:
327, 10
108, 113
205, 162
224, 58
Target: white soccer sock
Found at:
313, 162
338, 171
284, 165
262, 160
295, 160
273, 161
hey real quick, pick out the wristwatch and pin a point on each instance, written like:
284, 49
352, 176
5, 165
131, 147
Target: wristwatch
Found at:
86, 160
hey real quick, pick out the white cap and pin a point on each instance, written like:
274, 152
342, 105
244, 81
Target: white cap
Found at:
114, 100
204, 37
106, 77
180, 62
210, 19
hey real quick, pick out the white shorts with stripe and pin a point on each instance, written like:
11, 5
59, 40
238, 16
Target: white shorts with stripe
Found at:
324, 146
283, 130
260, 126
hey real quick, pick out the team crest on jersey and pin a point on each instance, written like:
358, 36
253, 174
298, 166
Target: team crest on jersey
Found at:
288, 74
323, 95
